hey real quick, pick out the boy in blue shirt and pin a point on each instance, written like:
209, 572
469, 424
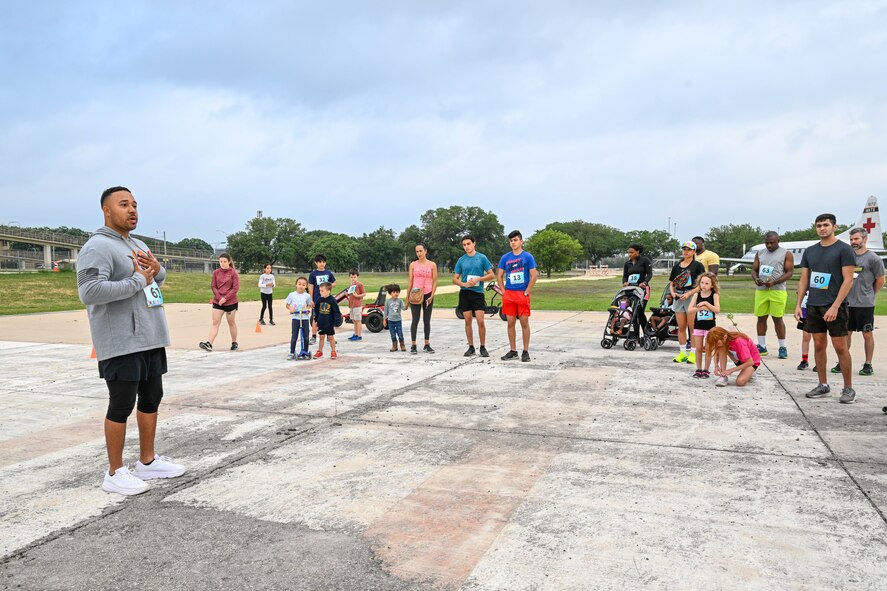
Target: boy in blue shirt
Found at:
318, 276
516, 276
470, 272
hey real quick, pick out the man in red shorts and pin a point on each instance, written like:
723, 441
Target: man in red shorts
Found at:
516, 277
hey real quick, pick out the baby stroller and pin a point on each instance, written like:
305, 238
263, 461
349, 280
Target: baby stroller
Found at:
621, 323
668, 331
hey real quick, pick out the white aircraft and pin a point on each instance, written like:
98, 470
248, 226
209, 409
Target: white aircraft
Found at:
870, 221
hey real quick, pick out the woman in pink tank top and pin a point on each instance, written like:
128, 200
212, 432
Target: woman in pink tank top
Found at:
423, 278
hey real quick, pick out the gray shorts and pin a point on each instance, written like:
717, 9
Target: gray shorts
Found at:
356, 313
681, 305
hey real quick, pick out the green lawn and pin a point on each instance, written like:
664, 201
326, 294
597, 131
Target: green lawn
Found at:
22, 293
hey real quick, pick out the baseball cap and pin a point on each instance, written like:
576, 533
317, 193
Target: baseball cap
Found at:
689, 244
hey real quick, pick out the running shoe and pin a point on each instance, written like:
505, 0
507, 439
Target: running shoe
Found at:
705, 374
318, 355
353, 337
469, 352
428, 349
206, 346
525, 356
262, 322
818, 391
697, 373
160, 467
333, 355
509, 356
484, 352
313, 340
234, 346
271, 322
359, 338
721, 381
681, 358
762, 351
836, 368
413, 350
848, 395
867, 370
291, 356
783, 353
124, 483
691, 357
803, 365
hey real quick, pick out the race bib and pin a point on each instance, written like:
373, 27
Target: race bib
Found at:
705, 315
321, 279
634, 277
516, 278
766, 272
153, 295
820, 280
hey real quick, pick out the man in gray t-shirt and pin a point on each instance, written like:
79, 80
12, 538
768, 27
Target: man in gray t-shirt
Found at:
827, 271
868, 281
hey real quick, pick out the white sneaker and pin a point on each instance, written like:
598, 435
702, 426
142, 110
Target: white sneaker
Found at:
721, 381
161, 467
123, 483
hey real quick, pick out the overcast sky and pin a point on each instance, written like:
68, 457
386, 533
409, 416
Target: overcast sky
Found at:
348, 116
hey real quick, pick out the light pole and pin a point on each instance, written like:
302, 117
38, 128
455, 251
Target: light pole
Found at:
164, 240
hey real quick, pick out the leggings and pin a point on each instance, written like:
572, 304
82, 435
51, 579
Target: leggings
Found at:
122, 397
641, 318
425, 307
300, 327
266, 302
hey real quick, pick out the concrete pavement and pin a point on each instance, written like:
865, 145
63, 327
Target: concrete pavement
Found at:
584, 469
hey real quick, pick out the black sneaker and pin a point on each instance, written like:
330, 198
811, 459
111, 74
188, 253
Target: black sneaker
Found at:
525, 356
234, 346
262, 322
867, 370
313, 340
803, 365
271, 322
206, 346
413, 350
483, 351
836, 368
428, 349
470, 351
509, 356
697, 373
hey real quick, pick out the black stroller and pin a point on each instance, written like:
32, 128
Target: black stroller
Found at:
622, 321
667, 331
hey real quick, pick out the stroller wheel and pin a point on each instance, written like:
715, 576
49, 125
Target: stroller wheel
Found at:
630, 345
606, 343
654, 344
648, 344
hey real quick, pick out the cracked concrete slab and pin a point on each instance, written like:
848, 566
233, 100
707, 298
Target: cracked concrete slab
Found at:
584, 469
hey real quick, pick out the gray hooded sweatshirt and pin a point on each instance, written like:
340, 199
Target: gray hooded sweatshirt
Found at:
119, 317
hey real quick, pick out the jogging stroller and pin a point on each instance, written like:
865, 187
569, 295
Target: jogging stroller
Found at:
622, 321
668, 329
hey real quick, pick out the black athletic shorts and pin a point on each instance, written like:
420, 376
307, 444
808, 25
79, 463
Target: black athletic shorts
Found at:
134, 367
471, 301
226, 307
861, 319
816, 322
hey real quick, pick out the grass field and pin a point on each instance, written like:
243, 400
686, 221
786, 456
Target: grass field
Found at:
24, 293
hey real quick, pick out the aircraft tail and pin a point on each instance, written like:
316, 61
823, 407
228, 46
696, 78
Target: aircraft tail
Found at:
871, 221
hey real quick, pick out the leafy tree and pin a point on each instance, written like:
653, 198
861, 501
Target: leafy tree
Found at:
598, 240
193, 243
265, 240
340, 251
656, 242
733, 240
554, 250
379, 250
408, 239
444, 227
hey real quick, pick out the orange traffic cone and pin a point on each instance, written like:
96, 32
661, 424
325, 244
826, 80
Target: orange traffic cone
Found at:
258, 326
92, 355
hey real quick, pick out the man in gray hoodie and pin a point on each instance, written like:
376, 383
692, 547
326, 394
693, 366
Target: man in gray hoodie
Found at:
119, 280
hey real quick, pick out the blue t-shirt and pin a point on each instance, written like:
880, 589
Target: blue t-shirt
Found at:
316, 278
517, 269
473, 266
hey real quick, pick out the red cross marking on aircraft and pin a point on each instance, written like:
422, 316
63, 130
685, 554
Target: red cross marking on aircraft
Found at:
869, 225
